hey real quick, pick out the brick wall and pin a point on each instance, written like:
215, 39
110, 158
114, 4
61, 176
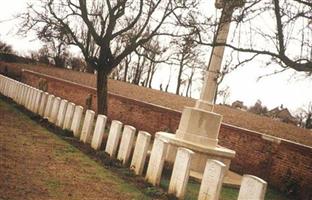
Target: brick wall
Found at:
282, 163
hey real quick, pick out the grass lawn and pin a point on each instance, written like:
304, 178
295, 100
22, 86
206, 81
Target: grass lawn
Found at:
37, 164
55, 169
226, 192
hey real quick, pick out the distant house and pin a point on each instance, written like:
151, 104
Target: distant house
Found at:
239, 105
283, 115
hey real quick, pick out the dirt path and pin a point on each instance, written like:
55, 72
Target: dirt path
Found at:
36, 164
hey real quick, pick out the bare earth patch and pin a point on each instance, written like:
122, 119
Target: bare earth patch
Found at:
36, 164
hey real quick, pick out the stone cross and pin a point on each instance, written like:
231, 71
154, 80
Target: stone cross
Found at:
99, 130
140, 152
113, 138
126, 144
252, 187
212, 180
156, 162
209, 88
180, 173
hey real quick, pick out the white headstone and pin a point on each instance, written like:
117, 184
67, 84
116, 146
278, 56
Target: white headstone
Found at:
55, 109
156, 162
61, 113
98, 134
252, 187
211, 184
180, 173
86, 131
16, 92
48, 107
1, 83
30, 98
37, 101
140, 152
19, 92
76, 124
113, 138
20, 97
43, 103
10, 89
24, 97
5, 87
126, 144
68, 119
28, 89
33, 100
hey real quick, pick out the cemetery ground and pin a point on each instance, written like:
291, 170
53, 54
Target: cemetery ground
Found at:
38, 161
35, 164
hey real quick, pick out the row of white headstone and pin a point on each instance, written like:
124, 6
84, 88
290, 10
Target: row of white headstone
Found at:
122, 141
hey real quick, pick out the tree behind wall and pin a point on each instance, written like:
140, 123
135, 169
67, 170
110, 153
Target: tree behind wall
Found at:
96, 26
186, 57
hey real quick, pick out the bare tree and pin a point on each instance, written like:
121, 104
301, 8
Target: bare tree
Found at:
258, 108
77, 63
284, 26
304, 116
185, 57
43, 55
96, 26
224, 93
5, 48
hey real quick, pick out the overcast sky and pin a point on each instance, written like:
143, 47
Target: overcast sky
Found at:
291, 89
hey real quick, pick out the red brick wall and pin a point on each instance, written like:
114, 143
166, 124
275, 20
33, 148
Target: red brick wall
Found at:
281, 164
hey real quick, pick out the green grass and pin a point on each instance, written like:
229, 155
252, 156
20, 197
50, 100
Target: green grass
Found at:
64, 152
54, 186
226, 192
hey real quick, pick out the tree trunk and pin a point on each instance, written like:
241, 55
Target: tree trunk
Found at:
149, 71
151, 77
102, 101
136, 78
179, 76
89, 69
127, 62
188, 90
